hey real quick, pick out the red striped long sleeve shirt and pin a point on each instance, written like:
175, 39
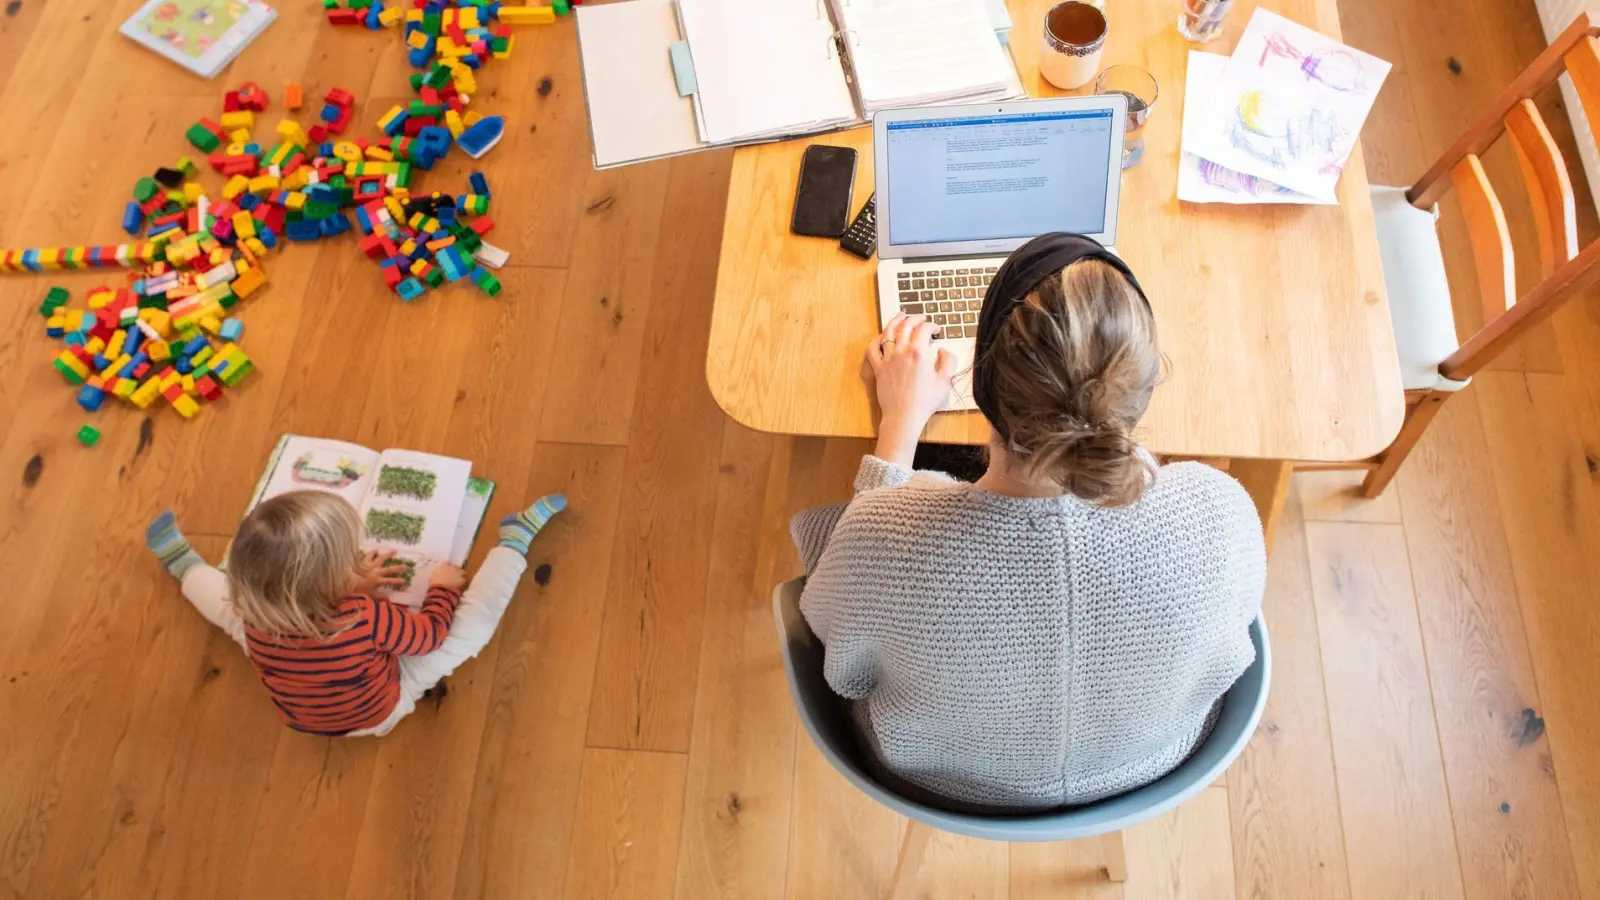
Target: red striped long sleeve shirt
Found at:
351, 679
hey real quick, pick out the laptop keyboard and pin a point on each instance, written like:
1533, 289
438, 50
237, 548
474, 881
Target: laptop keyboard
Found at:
948, 293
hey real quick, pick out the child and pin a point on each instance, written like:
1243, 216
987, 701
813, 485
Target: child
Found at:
308, 608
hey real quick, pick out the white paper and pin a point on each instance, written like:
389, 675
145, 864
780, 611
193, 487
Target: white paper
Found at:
441, 511
764, 69
920, 52
1203, 181
1289, 106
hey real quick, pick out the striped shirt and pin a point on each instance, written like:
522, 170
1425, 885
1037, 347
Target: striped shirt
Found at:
351, 679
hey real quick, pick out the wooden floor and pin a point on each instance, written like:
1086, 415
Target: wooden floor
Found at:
1433, 721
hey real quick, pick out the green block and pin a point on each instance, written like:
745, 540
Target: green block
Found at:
434, 278
487, 282
360, 4
318, 210
499, 44
416, 81
438, 77
228, 299
185, 165
330, 4
88, 435
67, 372
144, 189
560, 6
202, 138
403, 177
431, 24
234, 373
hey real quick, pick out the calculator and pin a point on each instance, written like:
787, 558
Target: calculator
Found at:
861, 238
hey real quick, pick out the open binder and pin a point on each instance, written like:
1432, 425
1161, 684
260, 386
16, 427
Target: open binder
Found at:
666, 77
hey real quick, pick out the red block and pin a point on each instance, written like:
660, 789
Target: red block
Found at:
344, 17
318, 133
482, 225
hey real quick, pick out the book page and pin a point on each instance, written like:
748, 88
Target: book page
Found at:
412, 509
200, 35
917, 49
318, 464
473, 508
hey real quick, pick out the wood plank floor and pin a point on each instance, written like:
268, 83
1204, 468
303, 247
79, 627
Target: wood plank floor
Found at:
1433, 720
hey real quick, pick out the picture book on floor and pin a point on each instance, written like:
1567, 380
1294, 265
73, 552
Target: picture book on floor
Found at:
425, 508
200, 35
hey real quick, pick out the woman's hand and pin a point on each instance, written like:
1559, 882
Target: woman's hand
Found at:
912, 381
377, 573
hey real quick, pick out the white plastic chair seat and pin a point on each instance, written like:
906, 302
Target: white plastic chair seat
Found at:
1419, 294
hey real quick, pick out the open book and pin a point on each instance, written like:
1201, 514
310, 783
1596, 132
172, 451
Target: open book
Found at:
664, 77
426, 508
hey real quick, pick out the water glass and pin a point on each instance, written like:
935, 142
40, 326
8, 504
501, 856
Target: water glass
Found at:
1139, 88
1201, 20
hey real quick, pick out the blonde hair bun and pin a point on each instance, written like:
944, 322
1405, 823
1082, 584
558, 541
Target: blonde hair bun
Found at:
1074, 367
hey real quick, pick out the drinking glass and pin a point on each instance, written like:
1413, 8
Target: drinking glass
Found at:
1201, 20
1140, 89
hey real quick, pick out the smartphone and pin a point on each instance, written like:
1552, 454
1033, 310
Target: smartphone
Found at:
822, 198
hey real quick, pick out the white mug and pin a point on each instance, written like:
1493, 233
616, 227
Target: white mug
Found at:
1074, 36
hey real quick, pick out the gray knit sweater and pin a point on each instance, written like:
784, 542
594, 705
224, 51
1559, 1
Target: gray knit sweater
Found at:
1026, 653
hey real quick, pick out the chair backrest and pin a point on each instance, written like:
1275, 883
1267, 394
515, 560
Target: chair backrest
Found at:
1565, 269
828, 722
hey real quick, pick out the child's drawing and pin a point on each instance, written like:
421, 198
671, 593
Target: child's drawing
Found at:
323, 469
1237, 182
1337, 69
404, 481
394, 525
1287, 107
1285, 133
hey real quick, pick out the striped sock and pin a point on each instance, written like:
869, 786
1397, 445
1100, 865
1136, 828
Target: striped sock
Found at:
170, 546
518, 530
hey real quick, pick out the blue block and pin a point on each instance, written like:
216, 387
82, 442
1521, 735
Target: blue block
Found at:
253, 149
363, 221
195, 345
302, 230
419, 56
330, 113
326, 150
76, 339
481, 138
55, 330
247, 201
268, 238
90, 397
30, 260
410, 289
480, 184
183, 365
373, 22
446, 215
132, 218
162, 229
231, 329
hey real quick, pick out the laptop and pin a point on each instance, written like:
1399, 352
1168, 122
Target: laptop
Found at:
960, 187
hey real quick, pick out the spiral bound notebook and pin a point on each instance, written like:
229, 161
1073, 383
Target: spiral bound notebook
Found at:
739, 72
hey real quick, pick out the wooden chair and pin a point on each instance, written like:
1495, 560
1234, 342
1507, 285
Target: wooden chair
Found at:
1433, 363
828, 723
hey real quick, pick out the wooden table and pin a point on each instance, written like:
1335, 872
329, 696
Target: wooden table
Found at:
1274, 318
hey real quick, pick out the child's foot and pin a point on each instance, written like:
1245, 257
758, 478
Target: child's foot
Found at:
170, 546
517, 530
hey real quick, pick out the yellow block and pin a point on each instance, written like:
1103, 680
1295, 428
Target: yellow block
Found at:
236, 185
243, 118
527, 15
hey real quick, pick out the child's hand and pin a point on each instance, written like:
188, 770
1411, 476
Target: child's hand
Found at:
376, 574
452, 577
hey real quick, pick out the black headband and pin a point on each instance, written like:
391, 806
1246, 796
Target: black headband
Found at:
1024, 269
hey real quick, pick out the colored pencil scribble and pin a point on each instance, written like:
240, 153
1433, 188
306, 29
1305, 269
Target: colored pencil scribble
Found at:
1338, 70
1237, 182
1285, 133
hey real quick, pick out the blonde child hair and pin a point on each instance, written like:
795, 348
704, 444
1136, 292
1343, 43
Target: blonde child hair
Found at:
293, 560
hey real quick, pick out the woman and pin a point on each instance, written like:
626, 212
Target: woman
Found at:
1062, 629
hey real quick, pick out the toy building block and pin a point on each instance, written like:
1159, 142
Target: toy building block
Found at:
480, 138
292, 96
88, 435
231, 329
527, 15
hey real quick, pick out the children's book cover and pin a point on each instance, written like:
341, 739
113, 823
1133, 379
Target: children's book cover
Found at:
200, 35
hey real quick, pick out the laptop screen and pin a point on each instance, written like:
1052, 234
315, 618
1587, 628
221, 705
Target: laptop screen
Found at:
998, 176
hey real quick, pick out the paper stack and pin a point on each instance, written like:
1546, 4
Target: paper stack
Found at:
924, 52
1275, 122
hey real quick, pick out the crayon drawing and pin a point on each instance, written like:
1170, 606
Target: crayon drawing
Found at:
1286, 107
